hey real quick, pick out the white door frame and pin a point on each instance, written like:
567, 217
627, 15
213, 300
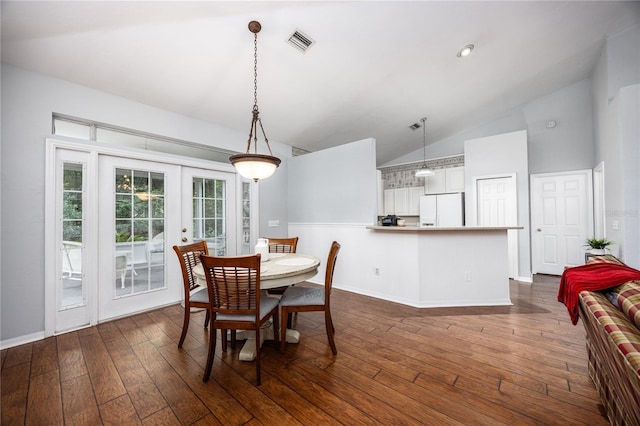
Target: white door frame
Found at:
599, 220
512, 234
52, 264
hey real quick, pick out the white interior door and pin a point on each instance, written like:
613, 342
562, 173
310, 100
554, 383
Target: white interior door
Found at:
139, 204
497, 206
561, 219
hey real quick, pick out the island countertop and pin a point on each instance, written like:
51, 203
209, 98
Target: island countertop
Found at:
441, 228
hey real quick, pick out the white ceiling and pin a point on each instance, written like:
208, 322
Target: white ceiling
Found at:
376, 68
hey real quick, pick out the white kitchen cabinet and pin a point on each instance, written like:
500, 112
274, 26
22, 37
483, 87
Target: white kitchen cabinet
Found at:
401, 196
446, 180
414, 201
435, 184
389, 202
454, 179
403, 201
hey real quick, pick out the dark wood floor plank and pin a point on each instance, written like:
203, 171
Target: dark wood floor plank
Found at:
78, 402
106, 382
70, 357
185, 404
18, 355
13, 392
44, 401
119, 411
144, 395
317, 395
45, 356
165, 417
523, 364
224, 407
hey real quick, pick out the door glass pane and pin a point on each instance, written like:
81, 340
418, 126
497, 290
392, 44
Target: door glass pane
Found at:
139, 232
246, 218
209, 214
72, 219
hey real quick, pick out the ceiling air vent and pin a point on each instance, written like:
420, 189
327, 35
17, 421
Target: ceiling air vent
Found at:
415, 126
300, 41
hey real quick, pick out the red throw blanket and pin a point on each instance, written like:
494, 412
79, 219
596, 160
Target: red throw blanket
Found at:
593, 276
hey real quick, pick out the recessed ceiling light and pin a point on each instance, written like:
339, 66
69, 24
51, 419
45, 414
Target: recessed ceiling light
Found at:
465, 51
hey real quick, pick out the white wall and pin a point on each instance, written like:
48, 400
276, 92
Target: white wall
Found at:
568, 146
501, 154
28, 101
617, 139
335, 185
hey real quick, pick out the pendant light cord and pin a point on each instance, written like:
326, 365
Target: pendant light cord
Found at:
424, 139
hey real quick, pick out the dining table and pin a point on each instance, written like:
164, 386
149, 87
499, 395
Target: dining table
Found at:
280, 270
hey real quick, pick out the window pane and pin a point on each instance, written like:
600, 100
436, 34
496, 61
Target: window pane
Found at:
72, 249
140, 257
70, 129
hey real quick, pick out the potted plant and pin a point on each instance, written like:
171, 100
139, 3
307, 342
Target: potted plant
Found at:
597, 245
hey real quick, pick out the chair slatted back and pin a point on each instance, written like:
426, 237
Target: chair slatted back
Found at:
189, 256
234, 283
283, 245
331, 266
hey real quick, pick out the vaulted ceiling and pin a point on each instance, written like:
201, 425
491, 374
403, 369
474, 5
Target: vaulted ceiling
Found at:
376, 66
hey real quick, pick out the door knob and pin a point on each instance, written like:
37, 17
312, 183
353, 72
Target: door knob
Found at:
184, 229
184, 239
539, 229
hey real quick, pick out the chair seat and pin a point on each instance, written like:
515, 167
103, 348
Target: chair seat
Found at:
266, 306
302, 296
200, 295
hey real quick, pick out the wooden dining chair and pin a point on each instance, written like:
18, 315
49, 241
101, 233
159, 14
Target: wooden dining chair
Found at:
310, 299
195, 295
236, 303
281, 245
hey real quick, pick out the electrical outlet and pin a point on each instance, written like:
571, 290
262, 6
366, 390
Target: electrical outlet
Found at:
614, 224
274, 223
377, 271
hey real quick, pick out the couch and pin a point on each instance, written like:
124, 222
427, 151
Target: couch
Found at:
611, 319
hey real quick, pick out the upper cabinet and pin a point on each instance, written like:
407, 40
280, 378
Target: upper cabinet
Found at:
435, 184
450, 179
403, 201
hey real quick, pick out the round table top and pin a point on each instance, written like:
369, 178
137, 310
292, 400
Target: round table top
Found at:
282, 269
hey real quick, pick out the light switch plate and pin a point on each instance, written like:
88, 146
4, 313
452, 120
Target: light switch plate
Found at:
274, 223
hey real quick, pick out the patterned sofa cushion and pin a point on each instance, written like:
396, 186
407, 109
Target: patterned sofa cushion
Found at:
628, 300
621, 332
605, 258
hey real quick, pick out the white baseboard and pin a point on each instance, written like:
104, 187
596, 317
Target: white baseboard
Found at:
21, 340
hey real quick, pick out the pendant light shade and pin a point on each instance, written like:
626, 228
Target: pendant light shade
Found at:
424, 171
253, 165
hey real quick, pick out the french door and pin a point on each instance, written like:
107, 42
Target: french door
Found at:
138, 213
116, 220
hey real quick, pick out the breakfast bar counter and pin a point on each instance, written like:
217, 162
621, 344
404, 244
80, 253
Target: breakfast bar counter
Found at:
448, 266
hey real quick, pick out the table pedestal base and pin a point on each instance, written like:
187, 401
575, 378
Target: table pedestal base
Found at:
248, 351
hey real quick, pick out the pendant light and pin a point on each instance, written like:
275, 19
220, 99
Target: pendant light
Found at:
424, 171
253, 165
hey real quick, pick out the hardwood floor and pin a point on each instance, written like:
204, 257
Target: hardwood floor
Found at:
520, 364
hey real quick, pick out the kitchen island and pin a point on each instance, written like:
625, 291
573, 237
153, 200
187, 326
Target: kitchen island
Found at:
445, 266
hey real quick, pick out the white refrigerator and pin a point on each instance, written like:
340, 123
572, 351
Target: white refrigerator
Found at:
442, 209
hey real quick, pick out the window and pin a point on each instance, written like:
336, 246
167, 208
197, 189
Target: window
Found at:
104, 133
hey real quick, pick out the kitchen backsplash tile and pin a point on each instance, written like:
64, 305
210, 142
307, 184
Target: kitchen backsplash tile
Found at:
403, 176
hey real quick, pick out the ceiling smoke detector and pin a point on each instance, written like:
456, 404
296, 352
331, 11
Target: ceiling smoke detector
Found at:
300, 41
